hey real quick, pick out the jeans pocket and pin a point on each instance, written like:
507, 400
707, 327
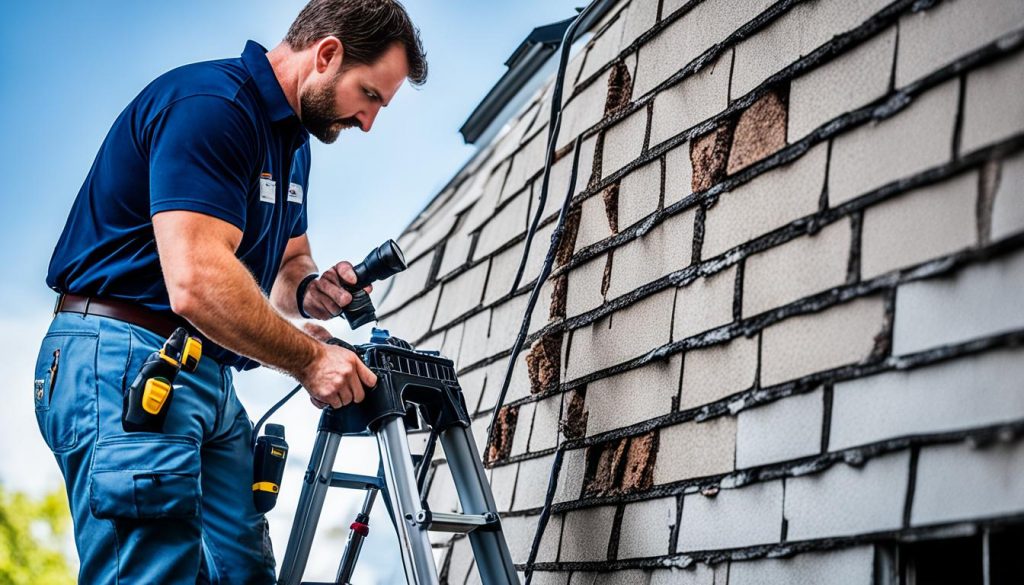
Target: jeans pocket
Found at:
145, 476
63, 386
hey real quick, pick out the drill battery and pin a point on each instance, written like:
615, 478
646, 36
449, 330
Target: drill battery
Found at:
149, 397
269, 458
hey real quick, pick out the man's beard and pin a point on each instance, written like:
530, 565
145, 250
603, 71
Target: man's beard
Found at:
318, 114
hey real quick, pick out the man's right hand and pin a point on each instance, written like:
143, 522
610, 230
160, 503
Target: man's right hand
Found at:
337, 377
326, 296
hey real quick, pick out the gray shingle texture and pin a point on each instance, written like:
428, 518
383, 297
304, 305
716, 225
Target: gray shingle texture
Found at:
835, 324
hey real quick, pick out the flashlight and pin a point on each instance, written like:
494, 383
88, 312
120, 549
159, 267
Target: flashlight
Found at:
384, 262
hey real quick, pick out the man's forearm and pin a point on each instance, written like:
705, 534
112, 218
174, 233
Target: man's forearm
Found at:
293, 270
223, 301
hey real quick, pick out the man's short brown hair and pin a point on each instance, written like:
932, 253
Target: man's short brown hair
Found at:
366, 28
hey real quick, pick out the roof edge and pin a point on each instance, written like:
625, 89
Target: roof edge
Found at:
528, 58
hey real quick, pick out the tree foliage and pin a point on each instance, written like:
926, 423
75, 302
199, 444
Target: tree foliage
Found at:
31, 533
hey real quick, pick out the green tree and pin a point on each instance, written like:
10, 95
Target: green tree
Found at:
31, 532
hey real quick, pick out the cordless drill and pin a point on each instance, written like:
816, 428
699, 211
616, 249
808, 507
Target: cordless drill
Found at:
149, 397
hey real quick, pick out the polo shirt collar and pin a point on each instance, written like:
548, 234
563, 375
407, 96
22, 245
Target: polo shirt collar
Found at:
254, 57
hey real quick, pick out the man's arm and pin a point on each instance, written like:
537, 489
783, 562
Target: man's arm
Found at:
296, 264
214, 291
324, 297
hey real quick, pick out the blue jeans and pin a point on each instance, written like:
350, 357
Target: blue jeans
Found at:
172, 507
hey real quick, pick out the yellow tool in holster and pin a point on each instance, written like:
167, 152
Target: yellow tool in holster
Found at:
148, 399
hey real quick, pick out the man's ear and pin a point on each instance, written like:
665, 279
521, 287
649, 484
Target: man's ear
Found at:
328, 55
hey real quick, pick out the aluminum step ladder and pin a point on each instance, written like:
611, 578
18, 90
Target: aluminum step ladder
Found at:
412, 386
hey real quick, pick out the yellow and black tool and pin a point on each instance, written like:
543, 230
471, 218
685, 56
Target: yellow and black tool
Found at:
149, 397
269, 458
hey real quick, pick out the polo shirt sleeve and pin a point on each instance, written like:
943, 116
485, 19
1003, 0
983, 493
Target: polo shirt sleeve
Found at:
202, 156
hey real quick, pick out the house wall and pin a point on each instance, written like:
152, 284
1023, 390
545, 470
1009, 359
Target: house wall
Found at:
783, 333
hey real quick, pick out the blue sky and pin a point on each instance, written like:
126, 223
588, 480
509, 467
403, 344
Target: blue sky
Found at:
71, 67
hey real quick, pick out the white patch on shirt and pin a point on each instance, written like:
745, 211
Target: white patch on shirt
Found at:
294, 193
268, 190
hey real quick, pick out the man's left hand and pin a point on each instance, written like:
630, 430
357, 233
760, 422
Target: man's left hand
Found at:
326, 296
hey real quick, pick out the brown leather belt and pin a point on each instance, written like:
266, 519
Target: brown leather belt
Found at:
159, 323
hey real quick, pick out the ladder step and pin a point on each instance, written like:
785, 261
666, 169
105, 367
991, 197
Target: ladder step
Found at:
355, 482
465, 523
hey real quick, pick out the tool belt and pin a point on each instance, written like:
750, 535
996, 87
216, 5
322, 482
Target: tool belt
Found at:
162, 324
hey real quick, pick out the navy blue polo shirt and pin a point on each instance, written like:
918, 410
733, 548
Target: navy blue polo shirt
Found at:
217, 138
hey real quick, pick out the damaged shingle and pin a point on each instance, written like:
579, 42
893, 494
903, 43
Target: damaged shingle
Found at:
503, 434
760, 131
574, 426
542, 362
619, 89
611, 206
568, 241
559, 296
708, 157
621, 467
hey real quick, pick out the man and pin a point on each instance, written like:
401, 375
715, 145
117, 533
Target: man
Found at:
194, 214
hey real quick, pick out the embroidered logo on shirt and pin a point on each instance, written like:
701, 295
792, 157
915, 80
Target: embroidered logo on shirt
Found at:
294, 193
268, 189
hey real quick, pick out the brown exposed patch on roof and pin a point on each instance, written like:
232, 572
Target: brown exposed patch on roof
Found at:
502, 435
559, 296
621, 467
708, 156
574, 425
604, 465
568, 241
611, 206
639, 467
882, 342
620, 89
542, 362
760, 131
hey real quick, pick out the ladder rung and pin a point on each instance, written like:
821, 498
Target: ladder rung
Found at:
442, 522
355, 482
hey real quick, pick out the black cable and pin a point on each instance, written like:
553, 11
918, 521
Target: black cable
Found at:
287, 397
556, 237
545, 514
273, 409
556, 466
554, 126
553, 129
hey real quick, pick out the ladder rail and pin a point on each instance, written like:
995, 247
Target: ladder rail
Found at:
307, 513
417, 554
494, 562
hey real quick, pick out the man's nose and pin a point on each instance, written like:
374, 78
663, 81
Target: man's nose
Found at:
366, 119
